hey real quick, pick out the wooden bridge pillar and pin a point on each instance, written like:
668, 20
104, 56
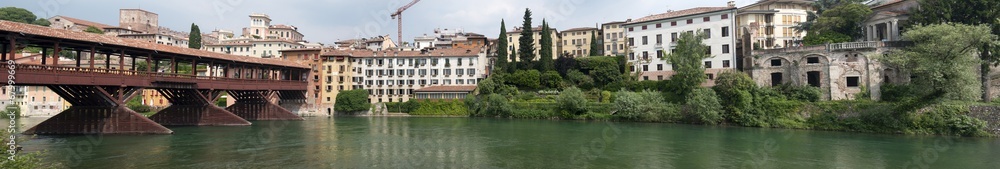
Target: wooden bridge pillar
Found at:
258, 105
105, 113
195, 107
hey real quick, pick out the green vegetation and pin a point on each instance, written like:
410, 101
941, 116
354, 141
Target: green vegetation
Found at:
135, 104
502, 55
352, 101
943, 59
594, 47
194, 38
572, 102
969, 12
10, 108
526, 43
92, 29
835, 21
545, 53
21, 15
687, 63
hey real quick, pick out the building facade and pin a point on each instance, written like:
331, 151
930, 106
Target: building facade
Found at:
311, 57
653, 37
614, 38
261, 39
513, 42
577, 41
139, 20
769, 23
392, 76
841, 71
887, 19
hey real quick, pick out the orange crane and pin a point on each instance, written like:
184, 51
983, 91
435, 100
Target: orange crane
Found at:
398, 15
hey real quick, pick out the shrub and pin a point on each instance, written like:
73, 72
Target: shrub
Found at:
899, 93
801, 93
573, 101
703, 107
491, 105
351, 101
645, 106
448, 108
526, 79
579, 79
551, 79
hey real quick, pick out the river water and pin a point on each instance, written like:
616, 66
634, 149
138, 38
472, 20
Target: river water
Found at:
401, 142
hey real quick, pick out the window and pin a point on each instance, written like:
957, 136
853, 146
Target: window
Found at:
776, 79
645, 68
659, 25
811, 60
852, 81
643, 27
659, 66
631, 42
645, 55
659, 77
725, 48
659, 39
471, 71
708, 33
710, 76
423, 72
725, 31
673, 37
725, 16
708, 64
708, 50
725, 63
689, 21
706, 19
645, 40
813, 78
674, 23
629, 29
659, 53
775, 62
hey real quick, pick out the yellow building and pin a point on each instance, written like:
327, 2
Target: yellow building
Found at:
577, 41
769, 23
513, 43
153, 98
336, 75
614, 38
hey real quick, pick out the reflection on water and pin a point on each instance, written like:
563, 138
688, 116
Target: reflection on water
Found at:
500, 143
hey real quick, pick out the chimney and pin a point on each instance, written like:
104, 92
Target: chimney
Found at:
732, 4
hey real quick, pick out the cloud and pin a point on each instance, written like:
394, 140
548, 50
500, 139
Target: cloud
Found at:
328, 21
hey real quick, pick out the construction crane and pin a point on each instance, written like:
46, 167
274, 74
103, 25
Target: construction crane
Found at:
398, 15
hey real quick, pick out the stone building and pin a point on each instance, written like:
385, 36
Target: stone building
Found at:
841, 70
139, 20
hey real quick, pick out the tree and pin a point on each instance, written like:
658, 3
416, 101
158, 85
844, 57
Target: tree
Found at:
21, 15
686, 61
92, 29
603, 70
526, 48
942, 58
594, 47
572, 101
820, 6
703, 107
194, 38
969, 12
545, 59
564, 64
502, 47
526, 79
833, 24
551, 79
579, 79
352, 101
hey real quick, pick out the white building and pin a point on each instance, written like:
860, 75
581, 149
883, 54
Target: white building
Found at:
654, 36
261, 39
769, 23
392, 76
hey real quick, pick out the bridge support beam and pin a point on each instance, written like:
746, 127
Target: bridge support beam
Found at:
195, 107
105, 113
293, 101
258, 105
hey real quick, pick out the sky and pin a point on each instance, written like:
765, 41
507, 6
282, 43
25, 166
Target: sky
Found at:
329, 21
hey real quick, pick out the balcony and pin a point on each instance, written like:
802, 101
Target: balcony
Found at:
658, 46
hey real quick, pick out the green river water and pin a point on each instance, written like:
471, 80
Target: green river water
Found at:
415, 142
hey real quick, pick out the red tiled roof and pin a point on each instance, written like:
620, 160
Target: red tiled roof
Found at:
41, 31
535, 29
680, 13
447, 89
433, 53
85, 22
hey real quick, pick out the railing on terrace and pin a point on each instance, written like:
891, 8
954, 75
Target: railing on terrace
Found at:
838, 46
133, 74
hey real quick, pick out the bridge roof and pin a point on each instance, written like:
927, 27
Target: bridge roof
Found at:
7, 27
